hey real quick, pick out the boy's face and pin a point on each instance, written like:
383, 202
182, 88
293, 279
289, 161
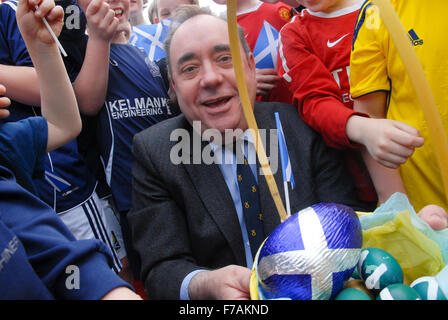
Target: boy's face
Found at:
121, 9
165, 8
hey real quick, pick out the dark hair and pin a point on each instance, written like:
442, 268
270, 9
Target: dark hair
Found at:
185, 13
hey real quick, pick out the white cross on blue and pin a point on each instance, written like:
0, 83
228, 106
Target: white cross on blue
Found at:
151, 38
265, 50
316, 259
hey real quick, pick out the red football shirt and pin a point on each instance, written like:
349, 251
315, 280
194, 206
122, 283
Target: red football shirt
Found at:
314, 63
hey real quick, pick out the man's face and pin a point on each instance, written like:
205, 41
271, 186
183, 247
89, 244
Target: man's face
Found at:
203, 77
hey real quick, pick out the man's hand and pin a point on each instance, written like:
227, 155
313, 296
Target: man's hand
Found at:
266, 79
29, 20
4, 102
389, 142
228, 283
101, 21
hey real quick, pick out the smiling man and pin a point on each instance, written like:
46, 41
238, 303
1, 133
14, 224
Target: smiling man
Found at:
195, 226
204, 80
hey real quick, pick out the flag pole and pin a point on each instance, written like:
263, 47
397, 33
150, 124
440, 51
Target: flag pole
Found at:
288, 207
247, 108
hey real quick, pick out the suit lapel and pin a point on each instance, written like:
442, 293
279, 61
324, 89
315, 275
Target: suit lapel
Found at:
212, 189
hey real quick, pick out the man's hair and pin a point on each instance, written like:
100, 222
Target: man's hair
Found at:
184, 13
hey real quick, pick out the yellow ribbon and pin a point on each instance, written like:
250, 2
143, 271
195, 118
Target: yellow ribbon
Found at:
417, 76
247, 107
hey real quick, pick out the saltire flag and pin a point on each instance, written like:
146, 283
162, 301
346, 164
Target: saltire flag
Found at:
285, 162
150, 37
284, 155
265, 50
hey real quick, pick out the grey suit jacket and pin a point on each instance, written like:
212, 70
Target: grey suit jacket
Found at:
183, 217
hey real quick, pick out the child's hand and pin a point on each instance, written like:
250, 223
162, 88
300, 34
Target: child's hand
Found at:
266, 79
435, 216
389, 142
4, 102
29, 20
101, 20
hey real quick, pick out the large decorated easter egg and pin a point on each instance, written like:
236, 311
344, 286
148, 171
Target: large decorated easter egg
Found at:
310, 255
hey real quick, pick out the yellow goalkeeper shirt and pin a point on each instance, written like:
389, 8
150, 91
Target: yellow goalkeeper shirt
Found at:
375, 65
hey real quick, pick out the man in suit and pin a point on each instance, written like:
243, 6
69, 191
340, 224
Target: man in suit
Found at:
187, 221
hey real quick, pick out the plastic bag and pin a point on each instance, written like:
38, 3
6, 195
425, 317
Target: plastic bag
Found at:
396, 228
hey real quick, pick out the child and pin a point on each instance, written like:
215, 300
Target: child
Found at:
382, 88
68, 185
41, 246
314, 57
136, 98
314, 62
28, 140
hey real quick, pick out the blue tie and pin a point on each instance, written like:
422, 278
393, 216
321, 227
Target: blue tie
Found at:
250, 200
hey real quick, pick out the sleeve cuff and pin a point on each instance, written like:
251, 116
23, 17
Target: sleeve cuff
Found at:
96, 279
186, 282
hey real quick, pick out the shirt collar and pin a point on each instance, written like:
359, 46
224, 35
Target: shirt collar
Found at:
227, 153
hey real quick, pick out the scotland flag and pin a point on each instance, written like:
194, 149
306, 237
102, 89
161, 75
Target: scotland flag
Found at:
284, 156
265, 50
311, 254
150, 37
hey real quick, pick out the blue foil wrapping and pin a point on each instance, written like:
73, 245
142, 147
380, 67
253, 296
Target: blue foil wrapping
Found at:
311, 254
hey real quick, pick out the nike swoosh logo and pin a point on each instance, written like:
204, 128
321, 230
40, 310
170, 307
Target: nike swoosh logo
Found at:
332, 44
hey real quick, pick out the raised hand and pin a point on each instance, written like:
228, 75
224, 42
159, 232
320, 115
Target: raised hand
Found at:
266, 81
389, 142
101, 21
29, 19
